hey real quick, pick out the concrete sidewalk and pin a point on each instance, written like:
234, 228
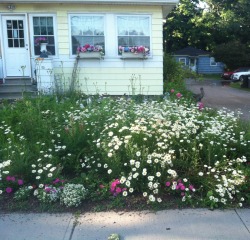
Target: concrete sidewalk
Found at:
188, 224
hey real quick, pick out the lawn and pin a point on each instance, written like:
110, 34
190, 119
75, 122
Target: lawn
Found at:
238, 86
73, 151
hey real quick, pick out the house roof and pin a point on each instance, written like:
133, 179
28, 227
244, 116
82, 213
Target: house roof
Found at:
143, 2
191, 51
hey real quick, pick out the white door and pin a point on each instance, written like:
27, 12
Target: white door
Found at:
15, 47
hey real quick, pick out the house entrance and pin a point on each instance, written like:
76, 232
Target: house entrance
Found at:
16, 55
193, 64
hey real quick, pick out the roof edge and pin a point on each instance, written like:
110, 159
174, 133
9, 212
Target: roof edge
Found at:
138, 2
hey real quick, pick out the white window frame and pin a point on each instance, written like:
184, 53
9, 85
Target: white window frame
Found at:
135, 15
183, 62
213, 63
32, 32
85, 14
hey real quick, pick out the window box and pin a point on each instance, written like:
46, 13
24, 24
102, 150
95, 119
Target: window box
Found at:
90, 55
130, 55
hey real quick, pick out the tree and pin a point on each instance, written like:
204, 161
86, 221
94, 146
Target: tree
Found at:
234, 54
222, 23
181, 28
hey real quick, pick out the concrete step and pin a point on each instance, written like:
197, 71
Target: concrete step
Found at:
17, 95
16, 81
17, 88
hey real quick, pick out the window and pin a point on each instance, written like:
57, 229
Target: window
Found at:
86, 29
133, 31
43, 26
15, 33
212, 62
182, 61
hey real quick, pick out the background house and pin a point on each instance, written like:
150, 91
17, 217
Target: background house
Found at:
66, 24
198, 60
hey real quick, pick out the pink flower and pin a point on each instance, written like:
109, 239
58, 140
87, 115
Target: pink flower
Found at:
182, 194
191, 187
87, 46
20, 182
47, 189
172, 90
118, 190
200, 105
178, 95
168, 184
101, 186
8, 189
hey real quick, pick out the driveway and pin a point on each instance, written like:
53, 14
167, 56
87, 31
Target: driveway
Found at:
218, 96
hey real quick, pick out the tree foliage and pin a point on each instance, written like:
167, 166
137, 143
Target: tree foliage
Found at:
221, 24
234, 54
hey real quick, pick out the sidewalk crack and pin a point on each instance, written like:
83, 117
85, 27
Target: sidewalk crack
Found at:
242, 221
75, 223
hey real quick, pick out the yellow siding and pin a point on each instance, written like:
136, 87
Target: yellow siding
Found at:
116, 78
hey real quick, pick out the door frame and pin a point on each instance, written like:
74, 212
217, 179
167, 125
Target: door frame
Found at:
193, 67
25, 15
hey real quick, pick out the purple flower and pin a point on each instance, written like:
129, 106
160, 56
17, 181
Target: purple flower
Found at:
8, 189
40, 40
20, 182
57, 180
47, 189
8, 178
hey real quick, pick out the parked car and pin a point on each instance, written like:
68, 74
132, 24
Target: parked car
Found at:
227, 75
238, 76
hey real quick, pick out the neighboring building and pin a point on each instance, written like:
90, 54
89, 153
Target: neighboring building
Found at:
66, 24
198, 60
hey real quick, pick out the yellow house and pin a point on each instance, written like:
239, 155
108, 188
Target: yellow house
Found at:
104, 46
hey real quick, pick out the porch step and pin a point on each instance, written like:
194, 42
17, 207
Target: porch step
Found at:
17, 88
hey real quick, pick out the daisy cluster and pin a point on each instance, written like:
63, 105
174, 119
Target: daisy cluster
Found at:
144, 145
151, 148
225, 177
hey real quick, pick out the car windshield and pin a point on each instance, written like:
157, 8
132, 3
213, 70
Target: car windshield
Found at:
242, 69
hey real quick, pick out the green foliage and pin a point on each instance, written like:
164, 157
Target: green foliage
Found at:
111, 148
182, 27
221, 27
234, 54
174, 74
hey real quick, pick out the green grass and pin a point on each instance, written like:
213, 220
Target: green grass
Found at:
237, 85
210, 76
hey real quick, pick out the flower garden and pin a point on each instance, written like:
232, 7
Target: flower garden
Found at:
99, 148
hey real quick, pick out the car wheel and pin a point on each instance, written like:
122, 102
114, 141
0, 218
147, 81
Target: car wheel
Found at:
241, 78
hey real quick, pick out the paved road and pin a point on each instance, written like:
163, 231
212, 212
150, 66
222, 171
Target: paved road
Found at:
218, 96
